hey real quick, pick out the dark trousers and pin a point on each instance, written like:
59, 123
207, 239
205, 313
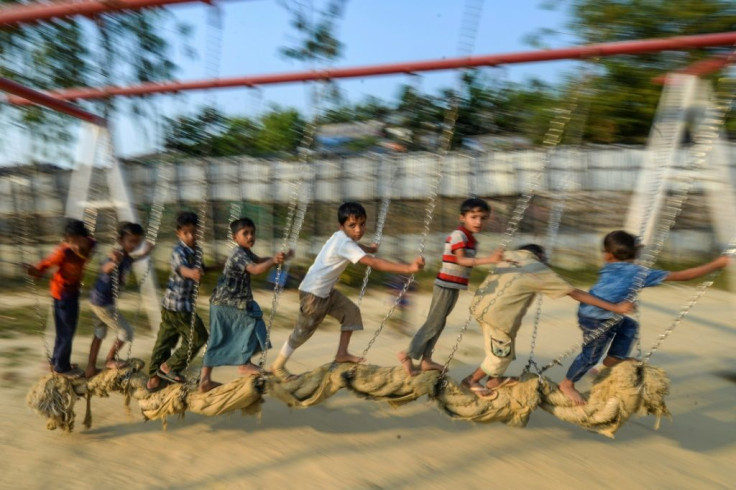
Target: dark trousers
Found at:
66, 315
176, 325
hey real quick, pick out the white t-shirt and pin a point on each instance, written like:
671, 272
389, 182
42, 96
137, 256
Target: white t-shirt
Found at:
336, 254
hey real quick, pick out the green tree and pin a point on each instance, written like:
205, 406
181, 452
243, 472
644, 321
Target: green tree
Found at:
626, 100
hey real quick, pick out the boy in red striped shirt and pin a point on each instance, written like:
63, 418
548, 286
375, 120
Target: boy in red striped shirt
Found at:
458, 259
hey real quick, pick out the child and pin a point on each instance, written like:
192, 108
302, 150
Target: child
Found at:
237, 330
70, 258
458, 259
500, 305
317, 296
130, 237
617, 280
177, 309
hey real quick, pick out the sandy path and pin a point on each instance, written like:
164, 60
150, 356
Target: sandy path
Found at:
352, 443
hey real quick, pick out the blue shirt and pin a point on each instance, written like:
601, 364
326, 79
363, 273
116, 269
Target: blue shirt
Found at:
180, 291
616, 280
101, 294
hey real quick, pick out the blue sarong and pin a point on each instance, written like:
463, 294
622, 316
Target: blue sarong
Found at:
235, 335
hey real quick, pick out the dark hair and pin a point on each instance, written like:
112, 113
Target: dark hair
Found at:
474, 203
537, 250
348, 209
622, 245
75, 227
241, 223
186, 218
127, 228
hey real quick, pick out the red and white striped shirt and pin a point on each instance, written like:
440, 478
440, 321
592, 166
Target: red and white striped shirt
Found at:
451, 274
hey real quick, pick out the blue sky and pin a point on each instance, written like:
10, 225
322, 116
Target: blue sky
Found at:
373, 32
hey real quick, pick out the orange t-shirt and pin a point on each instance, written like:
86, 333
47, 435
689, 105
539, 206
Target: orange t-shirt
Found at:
67, 279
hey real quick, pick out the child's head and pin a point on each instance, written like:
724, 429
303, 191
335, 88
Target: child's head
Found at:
130, 236
620, 246
537, 250
474, 213
186, 228
244, 232
352, 217
77, 235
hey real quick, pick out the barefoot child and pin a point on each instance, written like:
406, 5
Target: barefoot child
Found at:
102, 302
317, 296
69, 258
616, 281
237, 330
458, 260
500, 304
177, 309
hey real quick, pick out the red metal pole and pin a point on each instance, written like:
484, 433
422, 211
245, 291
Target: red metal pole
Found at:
19, 14
29, 95
577, 52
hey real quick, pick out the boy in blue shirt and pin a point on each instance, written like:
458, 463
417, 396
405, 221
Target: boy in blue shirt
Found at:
617, 279
102, 302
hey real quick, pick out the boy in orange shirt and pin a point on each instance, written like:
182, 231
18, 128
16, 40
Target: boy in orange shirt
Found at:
69, 258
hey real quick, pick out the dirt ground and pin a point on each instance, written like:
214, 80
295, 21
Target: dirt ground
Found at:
348, 442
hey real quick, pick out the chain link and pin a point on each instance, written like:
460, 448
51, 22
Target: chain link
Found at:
381, 220
551, 140
705, 137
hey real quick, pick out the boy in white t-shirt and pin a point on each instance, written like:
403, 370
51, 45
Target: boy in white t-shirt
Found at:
317, 296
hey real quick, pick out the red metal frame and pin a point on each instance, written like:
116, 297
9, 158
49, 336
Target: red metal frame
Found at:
40, 98
579, 52
21, 14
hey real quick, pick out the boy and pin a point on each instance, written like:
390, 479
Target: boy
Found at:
177, 309
616, 281
458, 259
317, 296
120, 261
500, 304
237, 330
70, 258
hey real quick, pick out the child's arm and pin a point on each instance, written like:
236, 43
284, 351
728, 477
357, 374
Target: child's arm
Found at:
388, 266
55, 259
699, 271
116, 256
147, 249
369, 249
262, 265
191, 273
621, 308
461, 259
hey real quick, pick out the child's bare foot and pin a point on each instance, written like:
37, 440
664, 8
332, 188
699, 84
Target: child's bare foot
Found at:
347, 357
405, 361
567, 387
113, 364
153, 383
207, 385
430, 365
249, 369
91, 372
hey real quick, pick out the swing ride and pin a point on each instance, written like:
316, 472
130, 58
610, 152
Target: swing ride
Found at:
618, 393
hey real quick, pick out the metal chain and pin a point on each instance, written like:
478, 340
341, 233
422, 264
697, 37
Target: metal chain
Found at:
705, 137
24, 227
294, 218
380, 222
558, 208
551, 140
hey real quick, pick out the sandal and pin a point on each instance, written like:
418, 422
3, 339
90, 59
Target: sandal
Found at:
172, 376
483, 393
73, 373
